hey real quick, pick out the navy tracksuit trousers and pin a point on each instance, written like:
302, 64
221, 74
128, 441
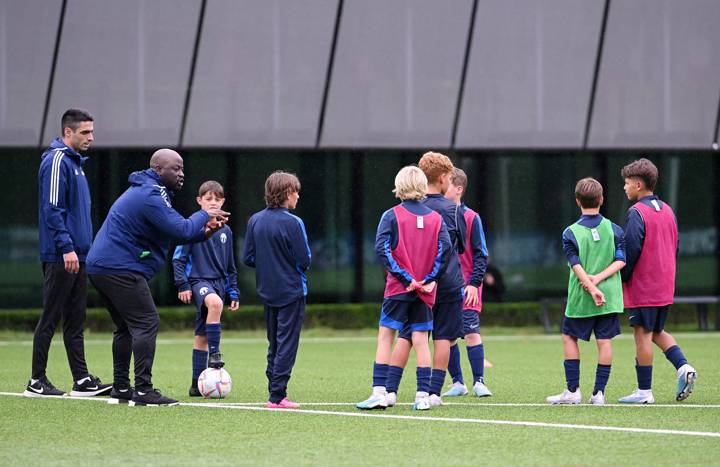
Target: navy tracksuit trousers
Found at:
283, 334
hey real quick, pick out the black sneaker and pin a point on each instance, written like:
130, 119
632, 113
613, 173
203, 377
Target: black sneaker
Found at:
194, 391
216, 360
90, 386
151, 398
42, 388
120, 395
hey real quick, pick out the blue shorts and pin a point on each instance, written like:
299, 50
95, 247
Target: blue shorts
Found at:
200, 289
400, 315
605, 326
448, 320
652, 318
471, 322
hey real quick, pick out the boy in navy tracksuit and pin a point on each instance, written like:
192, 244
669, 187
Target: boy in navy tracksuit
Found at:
276, 246
65, 229
204, 273
129, 250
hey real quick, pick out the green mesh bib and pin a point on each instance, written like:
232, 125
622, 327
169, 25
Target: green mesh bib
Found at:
597, 251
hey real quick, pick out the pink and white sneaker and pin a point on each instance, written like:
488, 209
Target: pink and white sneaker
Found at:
283, 404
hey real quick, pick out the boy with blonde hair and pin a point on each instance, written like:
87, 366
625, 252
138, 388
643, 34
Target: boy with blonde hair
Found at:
447, 311
413, 245
595, 252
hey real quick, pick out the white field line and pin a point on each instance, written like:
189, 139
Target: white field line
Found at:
457, 404
499, 404
357, 339
705, 434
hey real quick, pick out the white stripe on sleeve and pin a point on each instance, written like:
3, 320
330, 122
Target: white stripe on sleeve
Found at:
55, 177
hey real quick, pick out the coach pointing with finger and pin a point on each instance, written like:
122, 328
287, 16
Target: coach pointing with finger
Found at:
129, 250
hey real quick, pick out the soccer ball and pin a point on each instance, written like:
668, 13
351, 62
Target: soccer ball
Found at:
214, 383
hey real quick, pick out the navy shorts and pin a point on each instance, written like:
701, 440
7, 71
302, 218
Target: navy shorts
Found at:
401, 315
652, 318
471, 322
201, 289
448, 320
605, 326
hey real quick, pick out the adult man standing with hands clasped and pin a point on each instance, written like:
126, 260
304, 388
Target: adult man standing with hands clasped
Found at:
65, 231
129, 249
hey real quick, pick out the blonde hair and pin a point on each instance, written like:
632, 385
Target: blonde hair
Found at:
434, 165
410, 183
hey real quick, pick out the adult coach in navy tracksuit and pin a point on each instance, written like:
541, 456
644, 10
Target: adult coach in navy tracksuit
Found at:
65, 230
129, 249
276, 246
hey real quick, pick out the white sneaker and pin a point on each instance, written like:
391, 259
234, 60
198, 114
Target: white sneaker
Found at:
597, 399
391, 399
435, 400
375, 401
567, 397
640, 396
686, 376
457, 389
422, 401
481, 390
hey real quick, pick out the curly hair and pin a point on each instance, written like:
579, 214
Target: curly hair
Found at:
435, 165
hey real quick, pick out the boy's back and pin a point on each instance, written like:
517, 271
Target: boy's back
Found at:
593, 242
652, 242
276, 246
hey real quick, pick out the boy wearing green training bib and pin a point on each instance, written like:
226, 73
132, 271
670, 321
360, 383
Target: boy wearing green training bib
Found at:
595, 251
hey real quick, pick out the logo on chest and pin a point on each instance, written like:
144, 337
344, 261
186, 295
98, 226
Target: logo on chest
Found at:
223, 238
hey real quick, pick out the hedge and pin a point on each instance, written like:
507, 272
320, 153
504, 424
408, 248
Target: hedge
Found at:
334, 316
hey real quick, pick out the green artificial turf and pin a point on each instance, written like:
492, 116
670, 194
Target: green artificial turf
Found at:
335, 368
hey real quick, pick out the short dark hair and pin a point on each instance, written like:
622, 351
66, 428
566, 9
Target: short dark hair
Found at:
459, 178
588, 192
278, 186
211, 186
72, 118
643, 169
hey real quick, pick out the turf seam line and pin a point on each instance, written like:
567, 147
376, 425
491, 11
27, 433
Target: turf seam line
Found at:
351, 339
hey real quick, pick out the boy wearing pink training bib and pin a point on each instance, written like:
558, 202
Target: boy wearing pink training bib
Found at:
651, 244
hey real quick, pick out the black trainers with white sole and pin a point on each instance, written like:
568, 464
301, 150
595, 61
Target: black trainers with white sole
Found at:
120, 395
42, 388
90, 386
151, 398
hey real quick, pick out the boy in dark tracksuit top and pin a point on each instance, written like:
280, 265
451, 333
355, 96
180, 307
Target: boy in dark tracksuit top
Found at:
204, 273
413, 245
276, 246
473, 263
65, 229
651, 242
